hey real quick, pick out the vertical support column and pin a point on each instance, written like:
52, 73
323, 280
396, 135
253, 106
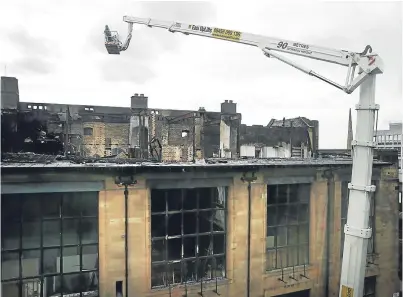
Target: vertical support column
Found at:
356, 229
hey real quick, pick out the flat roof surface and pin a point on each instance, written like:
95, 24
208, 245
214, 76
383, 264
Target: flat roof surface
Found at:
28, 160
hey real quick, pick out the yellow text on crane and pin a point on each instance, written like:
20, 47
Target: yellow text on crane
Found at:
226, 34
347, 291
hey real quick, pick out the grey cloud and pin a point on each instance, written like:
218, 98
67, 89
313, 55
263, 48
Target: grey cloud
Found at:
124, 71
31, 65
30, 45
147, 44
35, 53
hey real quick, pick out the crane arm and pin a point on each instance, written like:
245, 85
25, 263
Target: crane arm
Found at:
366, 61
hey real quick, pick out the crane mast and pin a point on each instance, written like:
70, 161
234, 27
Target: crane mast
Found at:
357, 230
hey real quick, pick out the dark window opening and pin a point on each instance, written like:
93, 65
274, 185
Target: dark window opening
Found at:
188, 230
369, 286
344, 210
88, 131
49, 244
287, 241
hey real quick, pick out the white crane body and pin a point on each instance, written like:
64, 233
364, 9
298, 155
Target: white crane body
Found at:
357, 230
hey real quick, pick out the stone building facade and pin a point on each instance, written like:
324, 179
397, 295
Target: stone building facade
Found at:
184, 228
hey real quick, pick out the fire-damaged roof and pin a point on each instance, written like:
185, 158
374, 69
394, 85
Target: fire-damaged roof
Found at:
30, 160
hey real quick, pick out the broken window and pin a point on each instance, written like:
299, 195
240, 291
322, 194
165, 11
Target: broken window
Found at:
185, 133
49, 244
345, 192
88, 131
287, 241
188, 233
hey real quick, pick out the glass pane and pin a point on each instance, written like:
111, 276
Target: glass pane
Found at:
271, 216
189, 222
219, 244
90, 283
74, 283
31, 263
189, 271
281, 236
71, 205
292, 235
89, 231
271, 259
158, 226
89, 203
10, 265
271, 194
31, 208
205, 245
303, 213
51, 206
218, 220
190, 199
51, 233
71, 259
52, 286
219, 266
70, 232
205, 221
293, 193
219, 197
206, 198
158, 275
282, 194
189, 247
10, 233
89, 257
10, 288
303, 254
10, 208
174, 199
204, 270
174, 224
158, 200
31, 287
282, 215
174, 248
271, 237
174, 273
292, 214
31, 235
282, 258
304, 193
292, 256
303, 233
158, 250
51, 260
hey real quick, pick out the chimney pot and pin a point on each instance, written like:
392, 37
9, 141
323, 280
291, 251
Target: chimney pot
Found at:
135, 95
226, 101
141, 95
230, 101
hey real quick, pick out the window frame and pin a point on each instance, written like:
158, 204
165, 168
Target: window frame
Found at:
41, 218
287, 246
165, 262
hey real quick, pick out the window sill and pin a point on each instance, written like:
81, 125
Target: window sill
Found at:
287, 270
207, 285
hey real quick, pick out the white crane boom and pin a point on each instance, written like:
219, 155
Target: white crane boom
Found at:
357, 230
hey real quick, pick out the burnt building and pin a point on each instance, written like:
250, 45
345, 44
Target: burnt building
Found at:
140, 131
256, 227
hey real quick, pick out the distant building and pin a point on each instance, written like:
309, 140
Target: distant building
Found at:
142, 132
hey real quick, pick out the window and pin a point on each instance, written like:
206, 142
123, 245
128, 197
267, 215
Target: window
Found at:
49, 244
88, 131
287, 241
188, 233
399, 137
40, 107
35, 107
369, 286
29, 106
344, 209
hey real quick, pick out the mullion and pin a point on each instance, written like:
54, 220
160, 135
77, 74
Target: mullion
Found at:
182, 238
197, 231
61, 243
80, 248
166, 237
41, 248
20, 201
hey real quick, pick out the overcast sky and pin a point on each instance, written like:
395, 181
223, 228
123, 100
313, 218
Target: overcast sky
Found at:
56, 50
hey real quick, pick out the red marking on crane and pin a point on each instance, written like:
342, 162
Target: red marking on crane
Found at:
371, 60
